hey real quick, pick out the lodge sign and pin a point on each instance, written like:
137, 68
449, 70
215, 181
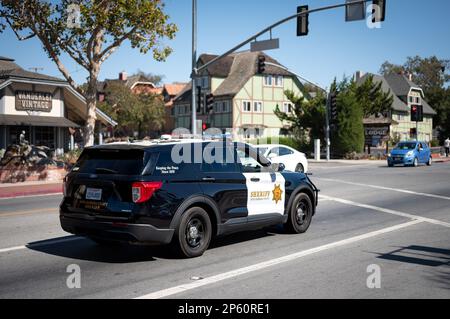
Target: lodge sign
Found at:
33, 101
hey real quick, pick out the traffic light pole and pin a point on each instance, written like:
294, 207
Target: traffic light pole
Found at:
194, 68
269, 28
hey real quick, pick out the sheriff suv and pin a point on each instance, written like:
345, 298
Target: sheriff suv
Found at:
182, 193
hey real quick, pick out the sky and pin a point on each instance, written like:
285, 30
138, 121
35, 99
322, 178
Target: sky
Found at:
333, 48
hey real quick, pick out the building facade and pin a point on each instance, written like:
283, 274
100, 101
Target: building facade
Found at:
46, 108
244, 101
405, 94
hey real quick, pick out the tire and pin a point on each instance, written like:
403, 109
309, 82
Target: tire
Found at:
416, 162
193, 234
300, 214
430, 161
299, 168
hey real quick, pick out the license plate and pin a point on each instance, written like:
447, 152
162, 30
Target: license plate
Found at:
93, 194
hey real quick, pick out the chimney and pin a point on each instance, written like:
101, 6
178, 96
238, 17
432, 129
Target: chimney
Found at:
358, 75
123, 76
410, 77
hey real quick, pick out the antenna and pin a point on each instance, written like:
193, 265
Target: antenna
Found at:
35, 69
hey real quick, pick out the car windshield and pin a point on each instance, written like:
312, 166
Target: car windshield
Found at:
406, 146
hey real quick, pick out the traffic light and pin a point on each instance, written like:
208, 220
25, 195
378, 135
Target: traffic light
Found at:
200, 100
209, 103
378, 11
302, 21
416, 113
261, 64
333, 107
205, 126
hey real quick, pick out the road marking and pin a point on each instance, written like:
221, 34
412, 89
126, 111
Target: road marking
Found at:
385, 188
46, 243
241, 271
30, 196
29, 212
387, 211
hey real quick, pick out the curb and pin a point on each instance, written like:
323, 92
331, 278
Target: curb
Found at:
35, 190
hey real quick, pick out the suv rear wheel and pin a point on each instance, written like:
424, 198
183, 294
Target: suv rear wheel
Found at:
193, 234
300, 215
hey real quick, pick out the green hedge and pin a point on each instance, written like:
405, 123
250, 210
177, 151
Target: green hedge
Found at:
297, 144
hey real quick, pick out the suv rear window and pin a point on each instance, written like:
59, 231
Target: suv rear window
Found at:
112, 161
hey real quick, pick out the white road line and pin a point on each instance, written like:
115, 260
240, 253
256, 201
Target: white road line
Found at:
241, 271
385, 188
49, 242
387, 211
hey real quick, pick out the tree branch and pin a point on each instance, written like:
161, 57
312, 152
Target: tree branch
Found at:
113, 46
19, 37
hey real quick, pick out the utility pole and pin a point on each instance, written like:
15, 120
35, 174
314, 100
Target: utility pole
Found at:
194, 68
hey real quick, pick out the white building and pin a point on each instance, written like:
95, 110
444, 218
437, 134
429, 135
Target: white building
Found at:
48, 109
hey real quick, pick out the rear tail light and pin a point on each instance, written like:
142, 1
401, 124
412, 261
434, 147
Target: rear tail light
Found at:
143, 191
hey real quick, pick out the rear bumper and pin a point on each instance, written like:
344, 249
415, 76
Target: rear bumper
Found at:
137, 233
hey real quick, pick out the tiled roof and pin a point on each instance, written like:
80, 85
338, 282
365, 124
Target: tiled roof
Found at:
174, 89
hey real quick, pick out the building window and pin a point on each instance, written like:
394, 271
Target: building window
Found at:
44, 136
246, 106
287, 107
257, 107
268, 81
204, 82
411, 99
226, 107
279, 81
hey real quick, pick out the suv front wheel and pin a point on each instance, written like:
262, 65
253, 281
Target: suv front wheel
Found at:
193, 234
300, 215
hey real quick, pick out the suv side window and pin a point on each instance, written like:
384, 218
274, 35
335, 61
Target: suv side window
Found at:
249, 164
223, 163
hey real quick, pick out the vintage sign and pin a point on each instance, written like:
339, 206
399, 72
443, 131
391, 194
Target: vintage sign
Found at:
33, 101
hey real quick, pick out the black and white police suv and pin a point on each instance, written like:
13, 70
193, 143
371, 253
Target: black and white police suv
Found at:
184, 193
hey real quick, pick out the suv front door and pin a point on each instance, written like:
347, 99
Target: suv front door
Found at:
265, 188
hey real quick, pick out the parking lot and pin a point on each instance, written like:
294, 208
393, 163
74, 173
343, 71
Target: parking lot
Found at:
394, 220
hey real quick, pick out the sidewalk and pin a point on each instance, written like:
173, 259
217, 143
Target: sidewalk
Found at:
440, 159
30, 189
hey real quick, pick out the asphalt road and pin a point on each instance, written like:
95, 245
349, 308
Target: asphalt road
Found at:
371, 220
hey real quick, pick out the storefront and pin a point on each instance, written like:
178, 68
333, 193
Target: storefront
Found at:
47, 109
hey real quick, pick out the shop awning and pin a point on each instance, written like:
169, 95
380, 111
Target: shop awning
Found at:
33, 120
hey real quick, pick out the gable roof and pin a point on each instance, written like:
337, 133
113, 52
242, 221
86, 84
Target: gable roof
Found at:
130, 82
9, 69
236, 69
398, 85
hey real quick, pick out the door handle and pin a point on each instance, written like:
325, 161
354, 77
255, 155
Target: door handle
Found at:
254, 179
208, 179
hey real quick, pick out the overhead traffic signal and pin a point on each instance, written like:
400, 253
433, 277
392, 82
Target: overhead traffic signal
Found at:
261, 64
209, 103
416, 113
302, 21
333, 107
200, 99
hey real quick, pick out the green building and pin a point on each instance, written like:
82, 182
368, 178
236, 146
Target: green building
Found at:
244, 101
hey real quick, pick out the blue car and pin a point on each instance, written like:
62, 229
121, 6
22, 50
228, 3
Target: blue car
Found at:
411, 154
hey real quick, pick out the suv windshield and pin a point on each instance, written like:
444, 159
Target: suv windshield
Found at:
111, 161
406, 146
